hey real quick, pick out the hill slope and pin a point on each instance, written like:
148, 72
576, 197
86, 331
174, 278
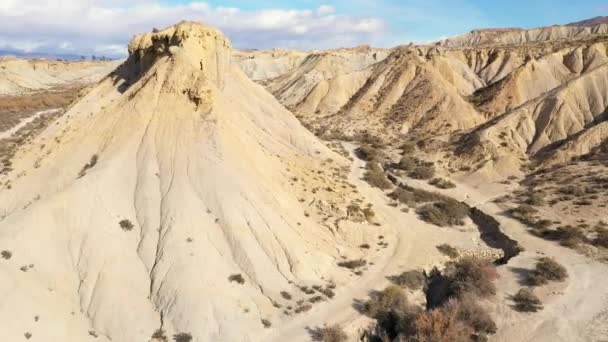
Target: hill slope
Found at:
172, 177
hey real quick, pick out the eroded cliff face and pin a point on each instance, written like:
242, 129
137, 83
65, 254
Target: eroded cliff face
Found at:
503, 96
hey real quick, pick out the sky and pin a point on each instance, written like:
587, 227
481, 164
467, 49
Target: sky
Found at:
104, 27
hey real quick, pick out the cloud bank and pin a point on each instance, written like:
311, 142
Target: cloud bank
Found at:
104, 27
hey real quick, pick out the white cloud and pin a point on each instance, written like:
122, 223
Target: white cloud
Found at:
102, 26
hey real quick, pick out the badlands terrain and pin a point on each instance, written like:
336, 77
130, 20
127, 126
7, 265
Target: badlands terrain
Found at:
192, 192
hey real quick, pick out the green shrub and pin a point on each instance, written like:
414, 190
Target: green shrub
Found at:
526, 301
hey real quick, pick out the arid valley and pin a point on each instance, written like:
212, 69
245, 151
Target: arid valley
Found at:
449, 191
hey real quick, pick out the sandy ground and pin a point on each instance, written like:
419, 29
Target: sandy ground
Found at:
412, 245
13, 130
576, 310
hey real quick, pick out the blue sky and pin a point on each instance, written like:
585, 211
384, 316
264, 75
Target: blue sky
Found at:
105, 26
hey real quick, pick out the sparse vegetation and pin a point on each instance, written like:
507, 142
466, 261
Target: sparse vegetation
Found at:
6, 254
448, 212
392, 298
375, 176
182, 337
237, 278
411, 279
159, 335
89, 165
442, 183
332, 333
126, 225
526, 301
547, 269
448, 251
422, 172
353, 264
470, 275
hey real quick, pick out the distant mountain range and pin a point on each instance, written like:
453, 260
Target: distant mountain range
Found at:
48, 55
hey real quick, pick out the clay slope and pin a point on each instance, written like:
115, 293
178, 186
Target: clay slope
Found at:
317, 68
206, 173
19, 76
266, 64
546, 103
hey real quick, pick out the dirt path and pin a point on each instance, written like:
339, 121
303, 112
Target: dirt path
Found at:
8, 133
412, 245
576, 310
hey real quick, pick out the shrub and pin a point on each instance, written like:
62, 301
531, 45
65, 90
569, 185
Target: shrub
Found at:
392, 298
126, 225
159, 335
182, 337
601, 238
448, 251
547, 269
368, 153
526, 301
286, 295
375, 176
266, 323
471, 275
408, 147
353, 264
89, 165
6, 254
332, 333
524, 213
447, 212
442, 183
237, 278
408, 163
411, 279
438, 325
422, 172
535, 199
470, 312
